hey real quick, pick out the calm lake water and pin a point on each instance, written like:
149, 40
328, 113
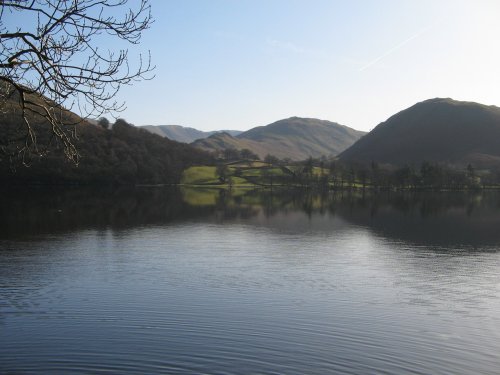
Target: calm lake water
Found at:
153, 280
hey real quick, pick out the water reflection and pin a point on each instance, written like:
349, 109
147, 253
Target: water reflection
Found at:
438, 219
152, 280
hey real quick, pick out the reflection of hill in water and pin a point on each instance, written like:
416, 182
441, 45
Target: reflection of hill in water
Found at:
34, 211
430, 218
427, 218
421, 218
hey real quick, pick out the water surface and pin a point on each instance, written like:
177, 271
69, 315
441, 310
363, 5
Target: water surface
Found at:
214, 282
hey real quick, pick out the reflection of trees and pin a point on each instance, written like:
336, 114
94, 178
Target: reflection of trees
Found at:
447, 219
403, 215
425, 204
420, 217
44, 210
228, 206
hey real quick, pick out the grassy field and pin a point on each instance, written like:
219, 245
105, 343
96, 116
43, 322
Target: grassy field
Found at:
241, 174
238, 174
256, 174
200, 175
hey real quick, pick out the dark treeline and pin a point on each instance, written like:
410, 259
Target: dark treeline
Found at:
427, 175
333, 174
117, 154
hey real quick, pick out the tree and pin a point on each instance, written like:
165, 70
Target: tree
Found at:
222, 172
248, 154
53, 62
231, 154
267, 173
103, 122
271, 159
308, 168
403, 176
432, 175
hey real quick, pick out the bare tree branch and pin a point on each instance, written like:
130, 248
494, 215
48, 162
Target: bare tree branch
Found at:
54, 61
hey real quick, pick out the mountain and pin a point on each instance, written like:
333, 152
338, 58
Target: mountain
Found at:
436, 130
295, 138
223, 141
124, 154
183, 134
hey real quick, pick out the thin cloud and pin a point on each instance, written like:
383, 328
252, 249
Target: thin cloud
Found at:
394, 49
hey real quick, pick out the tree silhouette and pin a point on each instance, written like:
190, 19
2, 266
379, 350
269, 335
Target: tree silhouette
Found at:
52, 62
104, 122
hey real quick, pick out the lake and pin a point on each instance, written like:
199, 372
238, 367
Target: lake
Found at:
156, 280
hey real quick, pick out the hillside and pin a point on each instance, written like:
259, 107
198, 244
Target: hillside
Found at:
223, 141
183, 134
124, 154
295, 138
436, 130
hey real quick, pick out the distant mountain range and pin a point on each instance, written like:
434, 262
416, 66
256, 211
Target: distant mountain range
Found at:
295, 138
444, 131
183, 134
436, 130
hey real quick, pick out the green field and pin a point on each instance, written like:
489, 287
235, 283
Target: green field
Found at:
249, 174
200, 175
242, 174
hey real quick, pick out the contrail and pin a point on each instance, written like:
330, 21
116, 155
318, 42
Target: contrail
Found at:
395, 48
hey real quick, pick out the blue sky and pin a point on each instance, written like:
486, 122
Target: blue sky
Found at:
227, 64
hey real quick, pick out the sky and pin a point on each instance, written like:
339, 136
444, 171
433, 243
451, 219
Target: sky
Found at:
237, 64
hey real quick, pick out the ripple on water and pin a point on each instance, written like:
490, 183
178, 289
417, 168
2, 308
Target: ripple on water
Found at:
244, 299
